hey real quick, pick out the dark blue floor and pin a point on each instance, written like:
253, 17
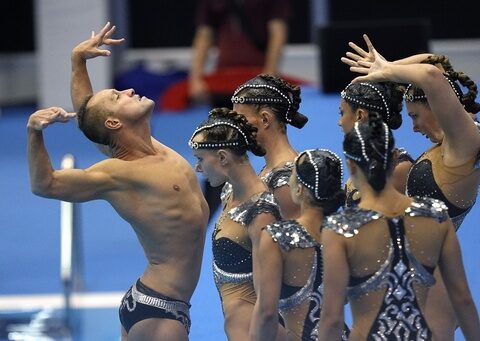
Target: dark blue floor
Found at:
112, 258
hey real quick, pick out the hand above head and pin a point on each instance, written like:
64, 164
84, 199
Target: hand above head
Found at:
41, 119
372, 64
90, 48
352, 58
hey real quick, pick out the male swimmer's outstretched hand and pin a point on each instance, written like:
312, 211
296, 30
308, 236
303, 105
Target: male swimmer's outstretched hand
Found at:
42, 118
80, 85
90, 48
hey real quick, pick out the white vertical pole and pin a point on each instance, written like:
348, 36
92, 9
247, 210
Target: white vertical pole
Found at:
60, 25
67, 232
66, 229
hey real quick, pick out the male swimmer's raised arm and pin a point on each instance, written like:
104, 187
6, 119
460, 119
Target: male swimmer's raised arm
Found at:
80, 85
74, 185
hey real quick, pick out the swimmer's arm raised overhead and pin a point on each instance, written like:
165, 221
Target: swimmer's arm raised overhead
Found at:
455, 121
80, 85
74, 185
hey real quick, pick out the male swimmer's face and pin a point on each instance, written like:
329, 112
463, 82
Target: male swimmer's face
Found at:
424, 122
124, 103
347, 117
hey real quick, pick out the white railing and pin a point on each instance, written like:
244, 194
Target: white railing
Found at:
70, 260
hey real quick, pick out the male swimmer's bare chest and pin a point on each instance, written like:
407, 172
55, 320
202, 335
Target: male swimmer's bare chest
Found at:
151, 186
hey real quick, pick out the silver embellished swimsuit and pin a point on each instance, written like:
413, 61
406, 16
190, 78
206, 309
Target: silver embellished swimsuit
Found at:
291, 235
232, 263
278, 176
274, 179
399, 317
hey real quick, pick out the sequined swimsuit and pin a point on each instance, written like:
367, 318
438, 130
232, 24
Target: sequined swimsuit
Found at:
290, 235
274, 179
232, 263
278, 176
353, 195
421, 182
399, 317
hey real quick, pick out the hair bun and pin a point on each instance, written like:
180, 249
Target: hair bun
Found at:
298, 120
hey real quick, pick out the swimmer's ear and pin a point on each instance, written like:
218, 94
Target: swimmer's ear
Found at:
298, 190
113, 123
266, 117
362, 115
222, 156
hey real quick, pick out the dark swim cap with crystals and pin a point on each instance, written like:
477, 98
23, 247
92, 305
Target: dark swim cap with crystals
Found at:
291, 115
363, 102
317, 159
233, 143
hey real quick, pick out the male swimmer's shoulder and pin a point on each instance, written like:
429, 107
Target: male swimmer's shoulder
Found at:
138, 174
170, 156
109, 166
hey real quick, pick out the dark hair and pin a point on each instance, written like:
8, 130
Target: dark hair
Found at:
414, 94
276, 94
385, 99
371, 146
439, 59
225, 128
91, 122
320, 171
